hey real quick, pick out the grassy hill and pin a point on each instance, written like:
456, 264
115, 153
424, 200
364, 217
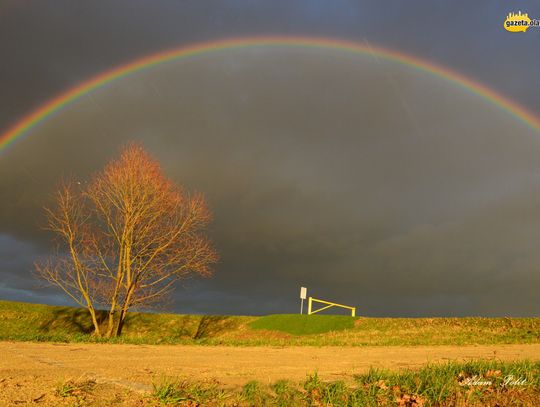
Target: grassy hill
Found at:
36, 322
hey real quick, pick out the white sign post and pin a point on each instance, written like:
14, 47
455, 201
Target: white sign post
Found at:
303, 296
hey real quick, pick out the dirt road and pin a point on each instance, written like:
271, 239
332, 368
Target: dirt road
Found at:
34, 367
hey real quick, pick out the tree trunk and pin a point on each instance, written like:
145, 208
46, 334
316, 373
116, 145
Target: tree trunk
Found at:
124, 310
114, 309
121, 318
95, 322
120, 325
110, 323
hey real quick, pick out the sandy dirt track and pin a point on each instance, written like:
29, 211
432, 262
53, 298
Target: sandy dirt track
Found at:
35, 368
233, 365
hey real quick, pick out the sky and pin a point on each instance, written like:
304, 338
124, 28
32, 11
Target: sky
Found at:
371, 183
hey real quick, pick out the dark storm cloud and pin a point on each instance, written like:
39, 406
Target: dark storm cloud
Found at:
16, 260
369, 182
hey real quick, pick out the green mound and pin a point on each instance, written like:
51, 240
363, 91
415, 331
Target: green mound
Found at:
303, 324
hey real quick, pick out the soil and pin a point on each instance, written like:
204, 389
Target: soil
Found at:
32, 373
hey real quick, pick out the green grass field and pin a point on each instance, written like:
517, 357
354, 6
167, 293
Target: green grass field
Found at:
34, 322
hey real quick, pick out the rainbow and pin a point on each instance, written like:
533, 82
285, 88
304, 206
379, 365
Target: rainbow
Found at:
26, 123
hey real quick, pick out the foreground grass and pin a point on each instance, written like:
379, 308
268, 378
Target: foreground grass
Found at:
35, 322
478, 383
474, 383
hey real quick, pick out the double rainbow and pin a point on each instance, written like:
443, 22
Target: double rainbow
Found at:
26, 123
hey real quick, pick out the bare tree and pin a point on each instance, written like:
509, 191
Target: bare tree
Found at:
125, 238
